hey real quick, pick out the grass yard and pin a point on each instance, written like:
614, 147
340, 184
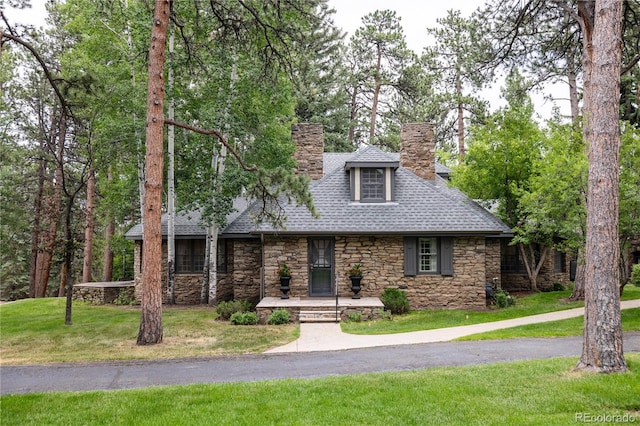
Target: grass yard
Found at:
537, 303
33, 331
544, 392
569, 327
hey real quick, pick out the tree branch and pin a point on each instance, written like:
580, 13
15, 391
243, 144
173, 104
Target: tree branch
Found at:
220, 136
44, 66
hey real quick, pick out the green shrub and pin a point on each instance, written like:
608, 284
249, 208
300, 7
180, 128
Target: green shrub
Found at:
355, 317
278, 317
504, 299
244, 318
395, 300
635, 275
386, 315
125, 297
558, 287
226, 309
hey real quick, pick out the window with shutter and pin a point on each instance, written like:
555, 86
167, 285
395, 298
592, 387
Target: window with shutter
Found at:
428, 255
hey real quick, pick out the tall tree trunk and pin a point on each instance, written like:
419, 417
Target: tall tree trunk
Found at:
461, 151
353, 113
89, 228
218, 163
35, 231
66, 284
171, 194
204, 288
578, 283
376, 94
573, 88
212, 267
49, 239
107, 262
602, 336
150, 331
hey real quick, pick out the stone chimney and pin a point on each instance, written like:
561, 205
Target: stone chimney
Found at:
309, 140
417, 149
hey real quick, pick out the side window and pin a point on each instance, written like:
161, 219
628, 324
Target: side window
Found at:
190, 256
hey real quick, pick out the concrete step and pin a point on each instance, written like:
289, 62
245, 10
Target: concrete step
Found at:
318, 316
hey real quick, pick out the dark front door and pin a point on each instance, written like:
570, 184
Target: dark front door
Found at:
321, 267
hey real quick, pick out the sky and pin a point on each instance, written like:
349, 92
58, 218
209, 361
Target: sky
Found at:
415, 17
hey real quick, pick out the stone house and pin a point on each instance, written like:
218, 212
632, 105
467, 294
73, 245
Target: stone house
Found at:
393, 213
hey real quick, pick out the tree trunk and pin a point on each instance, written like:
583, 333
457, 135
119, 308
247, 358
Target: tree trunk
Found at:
578, 283
460, 120
107, 263
212, 236
602, 336
171, 194
204, 288
353, 115
150, 331
69, 247
35, 231
89, 228
376, 94
49, 239
533, 267
573, 88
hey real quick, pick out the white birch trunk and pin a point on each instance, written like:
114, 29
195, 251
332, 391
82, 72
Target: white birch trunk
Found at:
218, 165
171, 194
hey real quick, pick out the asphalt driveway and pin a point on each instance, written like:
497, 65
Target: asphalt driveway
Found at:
127, 375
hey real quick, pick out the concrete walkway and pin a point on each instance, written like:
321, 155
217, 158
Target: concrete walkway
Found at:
316, 337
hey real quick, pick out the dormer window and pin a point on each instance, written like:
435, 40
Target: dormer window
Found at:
372, 185
372, 181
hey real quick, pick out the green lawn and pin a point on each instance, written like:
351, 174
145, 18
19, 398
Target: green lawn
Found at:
33, 331
533, 304
544, 392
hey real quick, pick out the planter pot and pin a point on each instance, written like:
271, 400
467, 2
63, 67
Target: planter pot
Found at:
355, 285
284, 286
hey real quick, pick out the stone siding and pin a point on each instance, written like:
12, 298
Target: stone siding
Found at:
382, 260
492, 262
247, 260
293, 252
188, 287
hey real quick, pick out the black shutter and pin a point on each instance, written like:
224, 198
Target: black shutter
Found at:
446, 255
410, 257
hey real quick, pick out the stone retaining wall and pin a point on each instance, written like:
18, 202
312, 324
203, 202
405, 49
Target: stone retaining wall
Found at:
101, 293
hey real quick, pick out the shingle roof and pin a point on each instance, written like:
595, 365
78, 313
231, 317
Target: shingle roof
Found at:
189, 224
420, 207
